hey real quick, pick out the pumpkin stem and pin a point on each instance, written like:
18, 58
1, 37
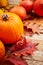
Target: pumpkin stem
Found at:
5, 17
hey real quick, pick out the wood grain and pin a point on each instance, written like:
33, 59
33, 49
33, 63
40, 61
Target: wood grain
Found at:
37, 57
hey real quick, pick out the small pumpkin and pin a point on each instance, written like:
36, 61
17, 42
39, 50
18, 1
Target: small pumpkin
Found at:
11, 28
2, 50
19, 10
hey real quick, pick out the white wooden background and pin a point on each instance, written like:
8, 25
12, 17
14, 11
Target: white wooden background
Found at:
11, 2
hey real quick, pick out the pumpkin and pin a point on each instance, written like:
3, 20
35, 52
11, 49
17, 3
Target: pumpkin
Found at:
11, 28
19, 10
2, 50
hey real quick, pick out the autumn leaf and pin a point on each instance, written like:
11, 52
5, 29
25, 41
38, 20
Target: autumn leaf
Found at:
15, 60
26, 48
32, 27
20, 44
22, 47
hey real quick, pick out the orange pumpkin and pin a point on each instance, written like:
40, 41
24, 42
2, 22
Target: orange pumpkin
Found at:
20, 11
11, 28
2, 50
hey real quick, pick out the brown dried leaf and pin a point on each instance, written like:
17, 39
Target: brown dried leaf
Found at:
31, 27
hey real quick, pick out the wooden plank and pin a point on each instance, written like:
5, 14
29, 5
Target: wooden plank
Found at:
12, 2
37, 57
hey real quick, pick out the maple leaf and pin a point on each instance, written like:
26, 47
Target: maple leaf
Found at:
15, 60
19, 45
22, 48
31, 26
27, 48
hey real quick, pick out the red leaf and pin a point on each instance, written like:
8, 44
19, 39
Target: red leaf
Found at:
27, 48
16, 60
19, 45
22, 47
